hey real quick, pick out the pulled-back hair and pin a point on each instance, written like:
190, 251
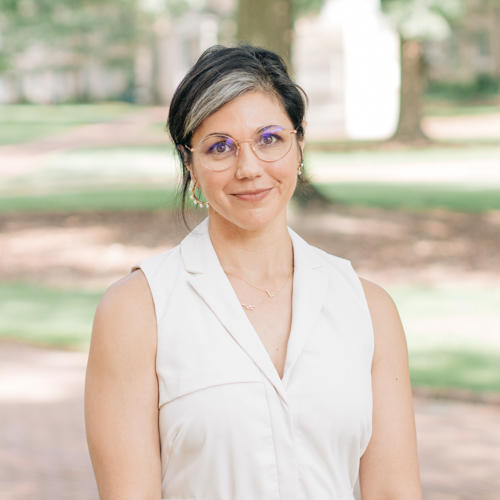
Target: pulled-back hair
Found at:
220, 75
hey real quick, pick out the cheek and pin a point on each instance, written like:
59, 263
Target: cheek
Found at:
213, 183
285, 172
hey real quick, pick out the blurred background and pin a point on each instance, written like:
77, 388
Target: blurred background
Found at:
403, 168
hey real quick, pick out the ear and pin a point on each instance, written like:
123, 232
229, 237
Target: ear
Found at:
184, 154
185, 159
302, 141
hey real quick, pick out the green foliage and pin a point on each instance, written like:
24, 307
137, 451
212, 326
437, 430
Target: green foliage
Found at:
423, 19
302, 7
78, 31
176, 8
435, 106
483, 86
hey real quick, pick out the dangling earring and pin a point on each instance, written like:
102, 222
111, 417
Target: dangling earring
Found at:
301, 166
195, 199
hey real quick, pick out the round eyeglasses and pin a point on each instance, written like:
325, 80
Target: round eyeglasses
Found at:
219, 151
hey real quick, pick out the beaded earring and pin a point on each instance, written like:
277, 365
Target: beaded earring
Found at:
195, 199
301, 166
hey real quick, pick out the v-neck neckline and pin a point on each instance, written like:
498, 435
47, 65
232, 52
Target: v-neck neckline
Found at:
210, 282
247, 319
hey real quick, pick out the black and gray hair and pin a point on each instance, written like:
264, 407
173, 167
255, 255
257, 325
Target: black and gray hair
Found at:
220, 75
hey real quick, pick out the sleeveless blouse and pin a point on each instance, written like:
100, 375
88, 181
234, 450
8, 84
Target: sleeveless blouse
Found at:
230, 427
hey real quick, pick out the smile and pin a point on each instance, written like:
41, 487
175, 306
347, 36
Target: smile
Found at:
255, 195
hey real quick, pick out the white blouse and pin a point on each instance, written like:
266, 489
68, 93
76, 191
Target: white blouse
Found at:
230, 427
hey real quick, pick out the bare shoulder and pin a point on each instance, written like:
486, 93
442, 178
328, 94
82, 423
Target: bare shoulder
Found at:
124, 322
132, 288
387, 327
375, 294
379, 300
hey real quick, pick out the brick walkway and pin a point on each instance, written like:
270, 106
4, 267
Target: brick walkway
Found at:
43, 452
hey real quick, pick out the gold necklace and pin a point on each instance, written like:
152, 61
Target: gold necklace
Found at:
269, 293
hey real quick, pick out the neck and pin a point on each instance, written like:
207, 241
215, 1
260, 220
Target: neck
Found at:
261, 256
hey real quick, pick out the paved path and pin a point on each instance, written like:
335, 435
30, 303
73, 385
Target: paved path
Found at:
478, 166
43, 452
464, 127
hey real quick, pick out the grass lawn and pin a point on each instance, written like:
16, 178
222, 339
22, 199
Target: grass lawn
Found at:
413, 196
146, 197
112, 198
475, 370
25, 122
47, 316
453, 335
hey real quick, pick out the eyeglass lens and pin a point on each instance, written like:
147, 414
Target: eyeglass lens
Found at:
218, 152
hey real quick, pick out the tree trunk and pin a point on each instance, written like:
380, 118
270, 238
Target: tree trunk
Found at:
412, 88
155, 70
267, 24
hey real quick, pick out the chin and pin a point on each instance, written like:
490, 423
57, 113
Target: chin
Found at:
254, 219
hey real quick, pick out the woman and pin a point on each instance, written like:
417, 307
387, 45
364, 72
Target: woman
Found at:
245, 363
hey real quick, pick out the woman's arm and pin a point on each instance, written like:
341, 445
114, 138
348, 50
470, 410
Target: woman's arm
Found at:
389, 467
121, 394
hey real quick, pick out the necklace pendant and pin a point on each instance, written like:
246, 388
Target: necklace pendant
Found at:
250, 307
270, 293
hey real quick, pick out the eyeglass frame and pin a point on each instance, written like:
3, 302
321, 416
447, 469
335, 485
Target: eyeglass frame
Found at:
238, 143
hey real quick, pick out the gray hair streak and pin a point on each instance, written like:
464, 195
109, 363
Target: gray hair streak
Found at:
221, 92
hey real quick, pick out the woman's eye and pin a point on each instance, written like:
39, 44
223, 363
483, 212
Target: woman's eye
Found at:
219, 148
269, 139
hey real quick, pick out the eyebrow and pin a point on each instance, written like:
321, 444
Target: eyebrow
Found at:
262, 129
267, 127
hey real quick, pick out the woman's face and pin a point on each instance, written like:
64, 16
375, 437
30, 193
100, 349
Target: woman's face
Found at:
252, 193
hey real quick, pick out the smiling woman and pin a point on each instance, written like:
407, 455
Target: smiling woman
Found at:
245, 363
217, 82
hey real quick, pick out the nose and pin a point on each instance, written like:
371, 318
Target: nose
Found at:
247, 163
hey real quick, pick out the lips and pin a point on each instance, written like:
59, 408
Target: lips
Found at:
252, 195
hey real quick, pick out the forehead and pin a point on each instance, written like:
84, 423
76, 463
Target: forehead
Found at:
244, 115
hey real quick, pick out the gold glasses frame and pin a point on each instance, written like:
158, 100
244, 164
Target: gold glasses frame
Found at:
249, 141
